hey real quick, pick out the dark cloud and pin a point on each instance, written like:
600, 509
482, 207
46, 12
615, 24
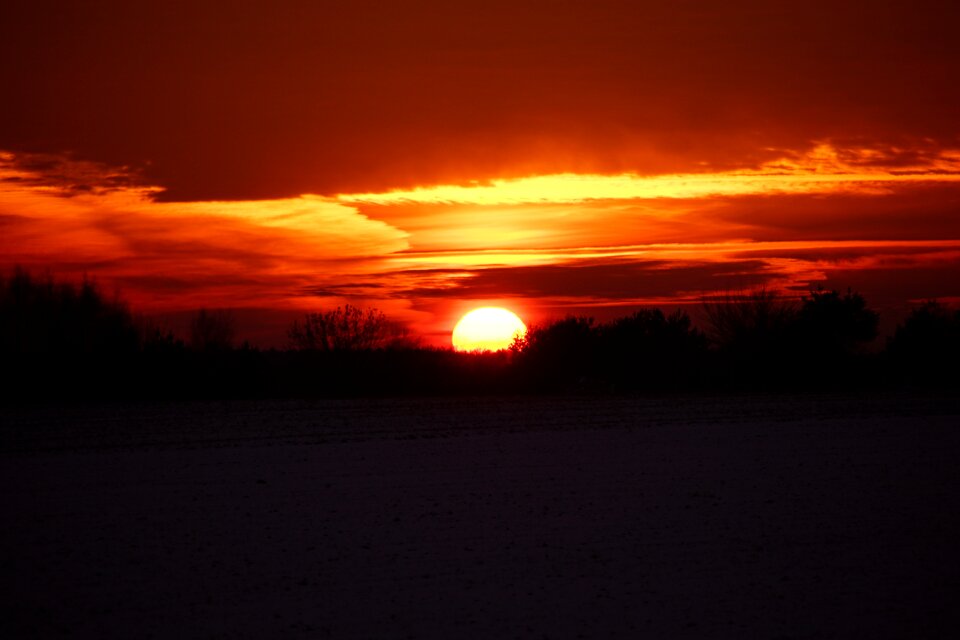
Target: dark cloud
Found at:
902, 212
613, 280
157, 284
252, 99
65, 175
346, 289
885, 254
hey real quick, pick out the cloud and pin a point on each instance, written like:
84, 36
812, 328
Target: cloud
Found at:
825, 194
822, 170
424, 263
181, 254
914, 211
591, 280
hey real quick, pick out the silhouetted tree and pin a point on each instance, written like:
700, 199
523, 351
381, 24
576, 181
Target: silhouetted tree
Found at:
212, 330
60, 339
834, 325
561, 352
347, 328
749, 323
40, 316
652, 349
154, 339
751, 335
926, 347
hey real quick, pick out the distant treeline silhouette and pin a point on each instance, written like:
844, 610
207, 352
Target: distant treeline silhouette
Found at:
70, 341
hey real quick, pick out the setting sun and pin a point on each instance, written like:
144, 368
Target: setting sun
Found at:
487, 329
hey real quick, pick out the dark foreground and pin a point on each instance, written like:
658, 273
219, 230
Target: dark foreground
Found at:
769, 517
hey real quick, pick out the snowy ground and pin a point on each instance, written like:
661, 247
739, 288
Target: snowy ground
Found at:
765, 517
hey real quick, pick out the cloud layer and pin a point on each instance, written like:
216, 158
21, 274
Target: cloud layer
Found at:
891, 231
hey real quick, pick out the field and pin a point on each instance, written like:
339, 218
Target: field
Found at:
593, 517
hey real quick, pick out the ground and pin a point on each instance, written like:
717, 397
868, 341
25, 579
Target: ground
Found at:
669, 517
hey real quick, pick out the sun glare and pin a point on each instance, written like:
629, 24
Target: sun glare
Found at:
487, 329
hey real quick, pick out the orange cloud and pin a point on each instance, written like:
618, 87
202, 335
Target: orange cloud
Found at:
213, 253
823, 170
588, 242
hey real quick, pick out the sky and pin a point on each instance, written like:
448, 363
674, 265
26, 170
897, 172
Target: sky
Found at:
426, 158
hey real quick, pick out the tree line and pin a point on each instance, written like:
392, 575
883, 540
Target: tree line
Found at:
63, 340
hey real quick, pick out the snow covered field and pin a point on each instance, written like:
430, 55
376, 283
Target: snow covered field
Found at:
744, 517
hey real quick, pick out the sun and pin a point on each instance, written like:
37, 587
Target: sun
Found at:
487, 329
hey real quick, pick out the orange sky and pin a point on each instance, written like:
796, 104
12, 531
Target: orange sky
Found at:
428, 157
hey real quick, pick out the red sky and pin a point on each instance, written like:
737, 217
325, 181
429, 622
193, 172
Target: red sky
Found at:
427, 157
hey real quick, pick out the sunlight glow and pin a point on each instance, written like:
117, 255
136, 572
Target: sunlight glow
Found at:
487, 329
823, 169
